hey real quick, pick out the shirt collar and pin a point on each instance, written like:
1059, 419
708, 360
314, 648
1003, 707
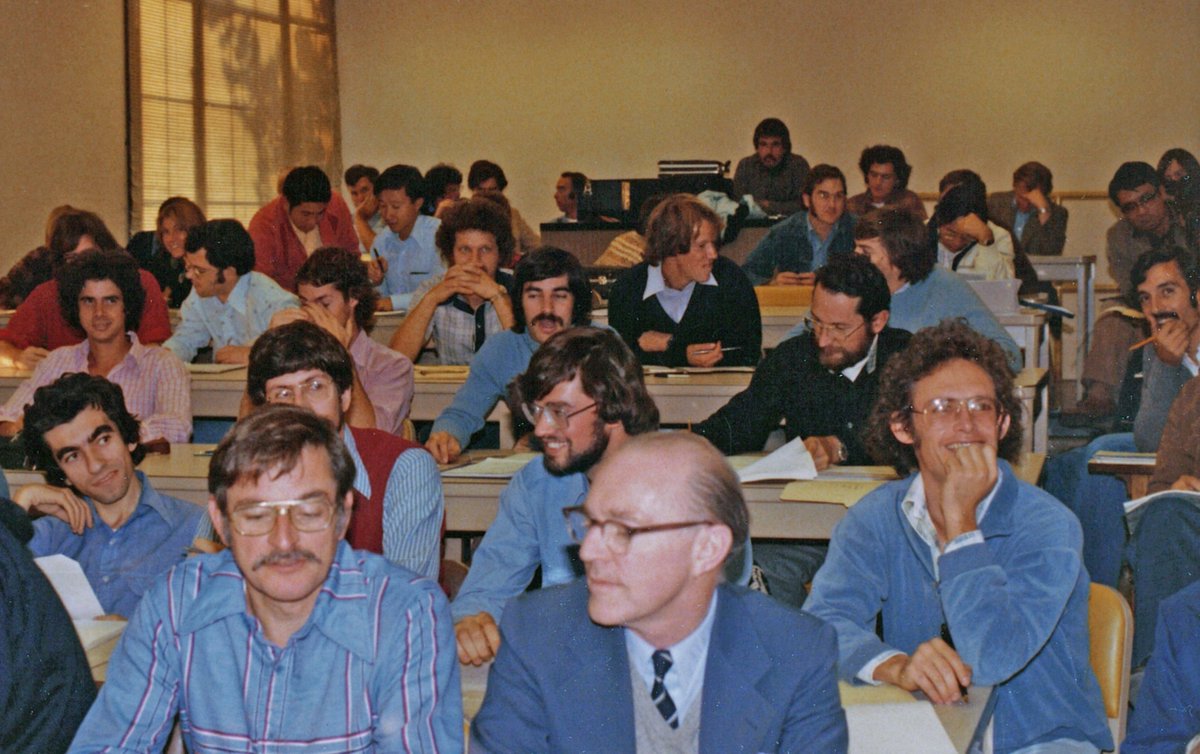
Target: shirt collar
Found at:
655, 283
362, 480
851, 372
240, 292
916, 509
687, 653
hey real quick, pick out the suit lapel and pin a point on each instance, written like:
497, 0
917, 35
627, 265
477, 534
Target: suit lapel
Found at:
596, 683
734, 712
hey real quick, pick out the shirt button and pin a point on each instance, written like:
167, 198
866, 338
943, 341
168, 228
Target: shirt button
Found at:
106, 579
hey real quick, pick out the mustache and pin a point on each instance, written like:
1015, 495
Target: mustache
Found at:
285, 558
553, 319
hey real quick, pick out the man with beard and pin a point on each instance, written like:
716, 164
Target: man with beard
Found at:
585, 396
821, 384
773, 175
554, 294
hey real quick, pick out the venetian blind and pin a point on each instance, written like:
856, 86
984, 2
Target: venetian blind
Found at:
223, 96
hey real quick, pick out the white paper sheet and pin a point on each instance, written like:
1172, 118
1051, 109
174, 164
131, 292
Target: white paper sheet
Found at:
496, 467
77, 595
792, 461
897, 728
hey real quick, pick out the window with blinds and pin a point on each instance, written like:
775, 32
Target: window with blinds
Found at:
223, 96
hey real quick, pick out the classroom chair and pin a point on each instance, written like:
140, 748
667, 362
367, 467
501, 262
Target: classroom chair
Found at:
1110, 626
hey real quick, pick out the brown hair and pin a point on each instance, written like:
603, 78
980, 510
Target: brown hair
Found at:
673, 224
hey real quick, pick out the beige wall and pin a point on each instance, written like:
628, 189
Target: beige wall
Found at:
610, 88
62, 121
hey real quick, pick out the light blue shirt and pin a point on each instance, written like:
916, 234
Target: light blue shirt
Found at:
674, 302
409, 262
502, 357
689, 657
1019, 221
374, 667
820, 248
413, 508
121, 564
235, 322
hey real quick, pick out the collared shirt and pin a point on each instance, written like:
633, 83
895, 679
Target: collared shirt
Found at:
458, 330
311, 241
235, 322
505, 355
387, 378
916, 511
410, 261
155, 382
413, 508
121, 564
674, 302
851, 372
373, 669
820, 246
685, 679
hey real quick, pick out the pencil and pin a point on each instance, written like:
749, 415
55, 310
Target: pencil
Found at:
1141, 343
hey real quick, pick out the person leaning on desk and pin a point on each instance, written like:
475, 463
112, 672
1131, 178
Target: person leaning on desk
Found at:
686, 305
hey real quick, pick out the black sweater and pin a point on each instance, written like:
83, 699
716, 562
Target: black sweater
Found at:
791, 385
726, 312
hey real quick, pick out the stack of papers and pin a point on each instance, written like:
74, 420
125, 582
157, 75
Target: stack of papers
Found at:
496, 467
77, 595
791, 461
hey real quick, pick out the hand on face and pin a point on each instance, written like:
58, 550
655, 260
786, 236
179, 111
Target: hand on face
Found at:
59, 502
1171, 340
969, 471
323, 318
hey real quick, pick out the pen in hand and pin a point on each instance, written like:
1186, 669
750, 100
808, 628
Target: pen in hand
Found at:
723, 350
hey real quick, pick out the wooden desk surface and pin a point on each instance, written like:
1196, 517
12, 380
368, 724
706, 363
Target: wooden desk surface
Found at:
1135, 469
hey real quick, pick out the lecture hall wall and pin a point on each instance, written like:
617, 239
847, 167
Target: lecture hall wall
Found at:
610, 88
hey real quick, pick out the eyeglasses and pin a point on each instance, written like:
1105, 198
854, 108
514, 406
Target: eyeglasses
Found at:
1129, 208
616, 535
315, 389
946, 409
837, 332
195, 271
559, 417
257, 519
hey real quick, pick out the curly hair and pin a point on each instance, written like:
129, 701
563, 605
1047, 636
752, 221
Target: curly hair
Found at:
332, 265
95, 264
477, 213
884, 154
608, 372
59, 403
929, 349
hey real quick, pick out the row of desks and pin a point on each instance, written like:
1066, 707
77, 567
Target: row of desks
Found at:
471, 502
681, 398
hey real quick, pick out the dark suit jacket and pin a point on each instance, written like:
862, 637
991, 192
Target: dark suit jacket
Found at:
727, 312
561, 683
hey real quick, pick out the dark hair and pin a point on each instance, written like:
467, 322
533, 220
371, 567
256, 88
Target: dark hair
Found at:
1035, 175
437, 178
74, 225
547, 262
966, 194
673, 224
295, 347
59, 403
226, 244
481, 170
477, 213
929, 349
306, 184
578, 183
853, 275
773, 127
270, 441
333, 265
1188, 189
904, 237
187, 214
94, 264
402, 177
608, 372
1189, 266
820, 173
356, 173
884, 154
1131, 175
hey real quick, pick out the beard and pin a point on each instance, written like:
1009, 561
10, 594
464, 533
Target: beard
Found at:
840, 358
576, 462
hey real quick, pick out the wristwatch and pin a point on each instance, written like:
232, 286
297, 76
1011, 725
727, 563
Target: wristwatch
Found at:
843, 454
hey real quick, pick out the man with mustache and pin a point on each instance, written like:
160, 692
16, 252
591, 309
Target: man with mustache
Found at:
773, 176
97, 509
584, 394
554, 294
289, 640
398, 505
974, 575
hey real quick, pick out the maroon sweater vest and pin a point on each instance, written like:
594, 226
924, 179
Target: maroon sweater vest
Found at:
379, 451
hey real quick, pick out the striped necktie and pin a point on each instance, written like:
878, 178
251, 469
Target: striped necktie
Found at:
658, 694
